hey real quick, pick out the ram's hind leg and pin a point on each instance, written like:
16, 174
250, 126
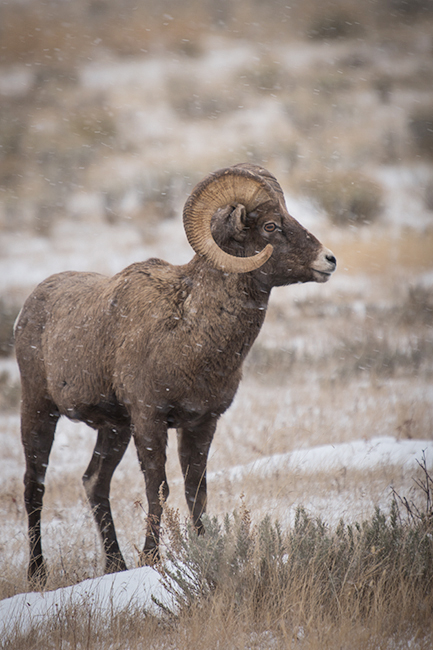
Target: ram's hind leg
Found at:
38, 424
110, 446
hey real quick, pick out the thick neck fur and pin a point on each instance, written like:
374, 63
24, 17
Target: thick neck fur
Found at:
233, 314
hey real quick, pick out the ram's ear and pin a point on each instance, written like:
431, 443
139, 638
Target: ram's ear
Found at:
236, 221
230, 223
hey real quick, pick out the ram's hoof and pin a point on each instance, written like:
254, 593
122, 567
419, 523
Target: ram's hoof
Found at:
37, 574
115, 565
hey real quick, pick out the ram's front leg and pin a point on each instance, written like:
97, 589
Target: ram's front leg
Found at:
193, 447
151, 443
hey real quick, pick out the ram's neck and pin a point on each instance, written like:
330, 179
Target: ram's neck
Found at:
225, 310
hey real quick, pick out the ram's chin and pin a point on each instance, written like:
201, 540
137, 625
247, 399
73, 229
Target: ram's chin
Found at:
321, 276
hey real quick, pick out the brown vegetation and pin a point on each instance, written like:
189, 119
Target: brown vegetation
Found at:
258, 586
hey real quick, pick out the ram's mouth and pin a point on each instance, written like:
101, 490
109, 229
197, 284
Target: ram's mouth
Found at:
324, 265
321, 276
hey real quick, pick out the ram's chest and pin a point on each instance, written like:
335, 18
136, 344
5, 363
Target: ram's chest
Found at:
187, 363
212, 351
206, 395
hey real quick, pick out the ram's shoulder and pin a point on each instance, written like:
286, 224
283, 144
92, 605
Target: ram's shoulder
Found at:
153, 280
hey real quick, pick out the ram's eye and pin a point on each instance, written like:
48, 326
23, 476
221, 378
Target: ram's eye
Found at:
270, 226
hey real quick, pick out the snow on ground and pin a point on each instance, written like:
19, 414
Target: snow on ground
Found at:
359, 454
105, 596
278, 484
134, 589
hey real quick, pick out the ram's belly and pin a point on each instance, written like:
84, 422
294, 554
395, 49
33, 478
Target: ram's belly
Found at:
107, 412
101, 410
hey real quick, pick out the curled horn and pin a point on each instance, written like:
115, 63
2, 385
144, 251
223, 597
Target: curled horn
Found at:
230, 185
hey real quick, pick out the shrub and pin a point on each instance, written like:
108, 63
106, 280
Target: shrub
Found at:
382, 567
265, 76
191, 99
10, 392
410, 8
428, 197
337, 24
418, 305
347, 197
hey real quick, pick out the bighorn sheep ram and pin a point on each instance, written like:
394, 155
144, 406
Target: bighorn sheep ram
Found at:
157, 347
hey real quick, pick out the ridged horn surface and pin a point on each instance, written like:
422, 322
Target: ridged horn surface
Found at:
221, 188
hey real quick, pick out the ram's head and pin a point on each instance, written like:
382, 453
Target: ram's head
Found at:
237, 219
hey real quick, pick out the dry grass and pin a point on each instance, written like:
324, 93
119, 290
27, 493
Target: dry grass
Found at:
257, 586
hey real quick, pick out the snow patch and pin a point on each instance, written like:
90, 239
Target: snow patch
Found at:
106, 596
360, 455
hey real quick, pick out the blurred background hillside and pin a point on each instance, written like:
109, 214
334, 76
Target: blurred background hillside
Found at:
112, 109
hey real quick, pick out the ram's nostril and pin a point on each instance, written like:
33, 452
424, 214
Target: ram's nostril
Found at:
331, 259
